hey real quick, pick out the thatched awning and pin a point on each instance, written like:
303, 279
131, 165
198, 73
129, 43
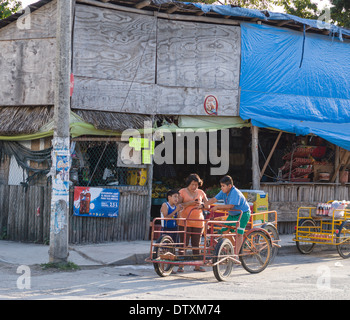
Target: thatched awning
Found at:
113, 121
24, 120
29, 119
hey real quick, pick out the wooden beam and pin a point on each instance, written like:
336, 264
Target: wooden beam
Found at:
270, 155
172, 9
345, 166
142, 4
346, 154
282, 23
196, 18
114, 6
306, 28
255, 158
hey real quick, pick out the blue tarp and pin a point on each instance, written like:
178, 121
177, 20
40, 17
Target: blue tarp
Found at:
227, 10
293, 81
296, 83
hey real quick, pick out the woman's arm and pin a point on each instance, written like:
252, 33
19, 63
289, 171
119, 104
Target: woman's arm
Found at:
188, 203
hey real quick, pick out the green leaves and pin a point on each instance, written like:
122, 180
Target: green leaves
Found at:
8, 7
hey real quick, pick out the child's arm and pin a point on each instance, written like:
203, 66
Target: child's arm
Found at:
178, 208
209, 202
223, 207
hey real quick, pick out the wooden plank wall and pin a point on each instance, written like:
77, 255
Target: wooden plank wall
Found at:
25, 216
124, 62
287, 198
127, 62
27, 59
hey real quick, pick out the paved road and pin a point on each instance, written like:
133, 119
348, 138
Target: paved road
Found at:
321, 275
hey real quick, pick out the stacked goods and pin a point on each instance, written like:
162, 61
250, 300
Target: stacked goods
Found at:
298, 165
335, 208
159, 191
321, 237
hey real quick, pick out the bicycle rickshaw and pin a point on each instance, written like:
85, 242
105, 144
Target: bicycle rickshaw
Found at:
217, 250
328, 227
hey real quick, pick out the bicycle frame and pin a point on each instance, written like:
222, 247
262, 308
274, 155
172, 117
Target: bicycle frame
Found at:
320, 234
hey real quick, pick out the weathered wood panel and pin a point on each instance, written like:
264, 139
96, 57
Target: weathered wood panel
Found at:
113, 95
27, 70
119, 96
32, 25
201, 55
110, 44
115, 64
190, 101
287, 198
25, 216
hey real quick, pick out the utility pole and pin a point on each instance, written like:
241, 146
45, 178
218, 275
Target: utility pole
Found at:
255, 158
58, 252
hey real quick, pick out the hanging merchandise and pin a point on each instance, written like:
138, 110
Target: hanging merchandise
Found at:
137, 177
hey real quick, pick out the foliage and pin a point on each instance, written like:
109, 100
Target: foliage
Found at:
340, 12
251, 4
64, 266
301, 8
9, 7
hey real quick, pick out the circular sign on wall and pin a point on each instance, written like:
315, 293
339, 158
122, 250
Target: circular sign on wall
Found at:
211, 105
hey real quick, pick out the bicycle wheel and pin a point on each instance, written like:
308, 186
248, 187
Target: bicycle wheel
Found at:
305, 225
223, 269
343, 241
163, 269
255, 252
271, 229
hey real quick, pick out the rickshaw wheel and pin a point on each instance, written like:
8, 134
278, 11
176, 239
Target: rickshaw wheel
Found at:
255, 252
163, 269
271, 229
344, 235
305, 247
223, 269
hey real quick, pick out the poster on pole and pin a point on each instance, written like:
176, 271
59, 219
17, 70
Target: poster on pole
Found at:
96, 202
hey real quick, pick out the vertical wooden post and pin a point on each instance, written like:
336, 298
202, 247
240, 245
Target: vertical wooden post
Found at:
255, 158
336, 163
58, 252
270, 155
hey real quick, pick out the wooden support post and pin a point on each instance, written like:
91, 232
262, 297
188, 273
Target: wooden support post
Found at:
336, 163
345, 166
270, 155
255, 158
346, 154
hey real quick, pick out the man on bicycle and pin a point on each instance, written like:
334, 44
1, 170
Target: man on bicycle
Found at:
234, 200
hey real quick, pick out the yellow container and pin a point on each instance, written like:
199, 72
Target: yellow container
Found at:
260, 200
132, 177
137, 177
142, 179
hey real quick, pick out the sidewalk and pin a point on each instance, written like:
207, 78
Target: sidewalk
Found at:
103, 254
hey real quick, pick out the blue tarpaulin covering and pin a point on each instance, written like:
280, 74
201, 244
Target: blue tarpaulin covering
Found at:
227, 10
293, 81
296, 82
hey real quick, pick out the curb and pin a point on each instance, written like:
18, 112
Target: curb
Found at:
135, 259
